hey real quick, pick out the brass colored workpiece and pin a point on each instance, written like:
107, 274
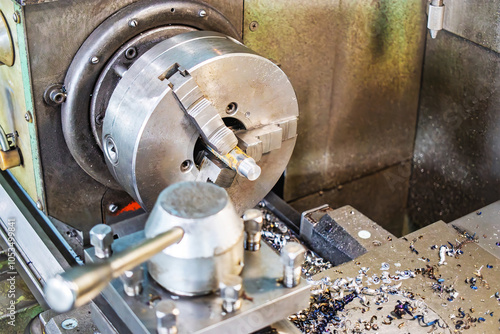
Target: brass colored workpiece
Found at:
9, 159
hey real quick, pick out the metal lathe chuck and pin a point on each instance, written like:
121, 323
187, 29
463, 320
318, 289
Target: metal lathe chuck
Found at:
198, 106
186, 105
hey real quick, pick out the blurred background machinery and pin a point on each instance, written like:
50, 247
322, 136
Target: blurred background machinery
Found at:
398, 122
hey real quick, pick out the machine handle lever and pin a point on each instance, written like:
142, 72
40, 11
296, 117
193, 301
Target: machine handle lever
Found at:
80, 285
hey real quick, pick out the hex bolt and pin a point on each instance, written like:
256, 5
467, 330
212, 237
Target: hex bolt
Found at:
292, 258
253, 225
101, 237
202, 13
166, 317
231, 289
132, 281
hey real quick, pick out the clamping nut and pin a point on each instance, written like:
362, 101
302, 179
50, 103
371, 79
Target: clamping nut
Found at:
231, 289
253, 225
132, 281
292, 258
166, 317
101, 237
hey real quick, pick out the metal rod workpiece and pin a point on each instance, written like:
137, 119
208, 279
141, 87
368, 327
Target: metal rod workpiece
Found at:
80, 285
240, 162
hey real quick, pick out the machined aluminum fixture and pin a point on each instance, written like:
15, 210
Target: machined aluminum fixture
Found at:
101, 237
132, 281
292, 257
231, 289
253, 221
166, 317
212, 246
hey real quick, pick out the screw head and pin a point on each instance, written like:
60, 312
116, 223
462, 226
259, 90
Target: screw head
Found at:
254, 25
202, 13
113, 208
39, 205
293, 254
16, 17
231, 287
70, 323
94, 60
28, 117
133, 23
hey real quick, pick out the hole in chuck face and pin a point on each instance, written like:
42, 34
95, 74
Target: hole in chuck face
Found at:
232, 108
59, 98
131, 53
186, 166
110, 150
233, 123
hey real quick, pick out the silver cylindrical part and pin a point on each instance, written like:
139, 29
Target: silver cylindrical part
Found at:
292, 258
253, 225
212, 246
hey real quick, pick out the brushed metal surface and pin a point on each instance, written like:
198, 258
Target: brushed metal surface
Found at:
477, 21
483, 222
454, 273
55, 31
381, 196
356, 67
456, 162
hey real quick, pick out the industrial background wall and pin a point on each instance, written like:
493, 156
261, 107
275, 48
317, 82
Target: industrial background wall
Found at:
356, 68
456, 160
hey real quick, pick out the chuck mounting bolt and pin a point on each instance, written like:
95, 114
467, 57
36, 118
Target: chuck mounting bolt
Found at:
231, 289
253, 225
132, 281
292, 257
101, 237
166, 317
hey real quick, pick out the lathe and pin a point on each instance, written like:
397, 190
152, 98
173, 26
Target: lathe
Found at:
157, 178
